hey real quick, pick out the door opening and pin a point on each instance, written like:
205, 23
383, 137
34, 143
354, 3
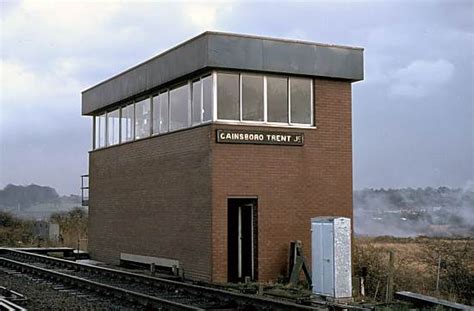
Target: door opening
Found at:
242, 239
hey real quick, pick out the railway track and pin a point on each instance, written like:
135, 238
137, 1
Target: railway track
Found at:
143, 290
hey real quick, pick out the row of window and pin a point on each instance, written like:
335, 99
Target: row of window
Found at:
238, 97
258, 98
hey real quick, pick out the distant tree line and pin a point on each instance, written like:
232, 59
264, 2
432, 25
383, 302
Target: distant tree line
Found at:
23, 197
409, 198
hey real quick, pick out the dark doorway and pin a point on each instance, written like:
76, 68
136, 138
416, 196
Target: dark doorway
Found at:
242, 239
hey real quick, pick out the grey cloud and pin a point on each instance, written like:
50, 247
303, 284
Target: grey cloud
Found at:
412, 116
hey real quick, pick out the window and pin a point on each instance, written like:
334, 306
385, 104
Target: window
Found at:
142, 118
155, 118
164, 112
113, 127
259, 98
207, 96
100, 139
277, 99
160, 113
252, 97
196, 104
228, 107
262, 99
300, 100
179, 111
127, 123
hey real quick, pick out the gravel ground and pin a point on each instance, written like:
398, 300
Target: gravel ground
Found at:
47, 295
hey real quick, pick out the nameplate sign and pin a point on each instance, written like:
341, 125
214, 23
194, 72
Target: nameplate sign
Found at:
260, 137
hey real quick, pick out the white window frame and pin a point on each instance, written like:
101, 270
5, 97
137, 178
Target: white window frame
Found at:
133, 123
215, 98
265, 121
311, 106
200, 99
138, 100
214, 107
107, 144
252, 122
273, 123
97, 131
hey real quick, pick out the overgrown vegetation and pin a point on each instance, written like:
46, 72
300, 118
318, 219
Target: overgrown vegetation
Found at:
73, 227
14, 232
17, 232
416, 266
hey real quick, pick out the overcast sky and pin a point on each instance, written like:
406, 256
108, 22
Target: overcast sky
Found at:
413, 115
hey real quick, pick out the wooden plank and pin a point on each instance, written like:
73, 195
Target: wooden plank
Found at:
163, 262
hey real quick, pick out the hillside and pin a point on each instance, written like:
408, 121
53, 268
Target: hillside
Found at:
34, 201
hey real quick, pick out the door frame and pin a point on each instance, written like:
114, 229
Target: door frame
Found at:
252, 204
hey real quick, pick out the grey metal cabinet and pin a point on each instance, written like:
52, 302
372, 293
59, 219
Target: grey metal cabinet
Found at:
331, 256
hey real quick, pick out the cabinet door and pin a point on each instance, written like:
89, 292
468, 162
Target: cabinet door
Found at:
328, 259
322, 251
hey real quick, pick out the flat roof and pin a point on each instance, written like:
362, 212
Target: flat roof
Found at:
217, 50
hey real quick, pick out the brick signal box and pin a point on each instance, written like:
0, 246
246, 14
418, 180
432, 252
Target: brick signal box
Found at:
215, 154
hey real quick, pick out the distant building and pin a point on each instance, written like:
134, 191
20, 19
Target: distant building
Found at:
215, 154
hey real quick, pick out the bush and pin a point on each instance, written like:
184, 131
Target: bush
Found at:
14, 232
72, 226
456, 277
369, 257
415, 266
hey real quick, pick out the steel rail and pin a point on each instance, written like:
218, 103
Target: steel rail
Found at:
118, 292
240, 300
10, 306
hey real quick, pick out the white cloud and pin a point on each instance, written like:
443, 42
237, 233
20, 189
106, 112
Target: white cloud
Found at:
25, 91
203, 15
69, 23
420, 77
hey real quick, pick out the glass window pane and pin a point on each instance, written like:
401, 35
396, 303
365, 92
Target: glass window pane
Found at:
179, 111
156, 114
164, 112
142, 118
252, 97
127, 123
300, 100
113, 124
277, 99
228, 96
96, 132
207, 98
196, 102
100, 131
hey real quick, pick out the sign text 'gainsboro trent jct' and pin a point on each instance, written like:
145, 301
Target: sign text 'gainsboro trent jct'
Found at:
260, 137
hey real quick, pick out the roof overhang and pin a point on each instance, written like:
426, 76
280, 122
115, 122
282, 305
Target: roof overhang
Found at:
227, 51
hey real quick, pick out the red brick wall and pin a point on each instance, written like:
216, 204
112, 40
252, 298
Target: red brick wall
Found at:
153, 198
167, 196
293, 184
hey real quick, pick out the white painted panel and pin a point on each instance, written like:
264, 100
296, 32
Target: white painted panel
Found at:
342, 257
